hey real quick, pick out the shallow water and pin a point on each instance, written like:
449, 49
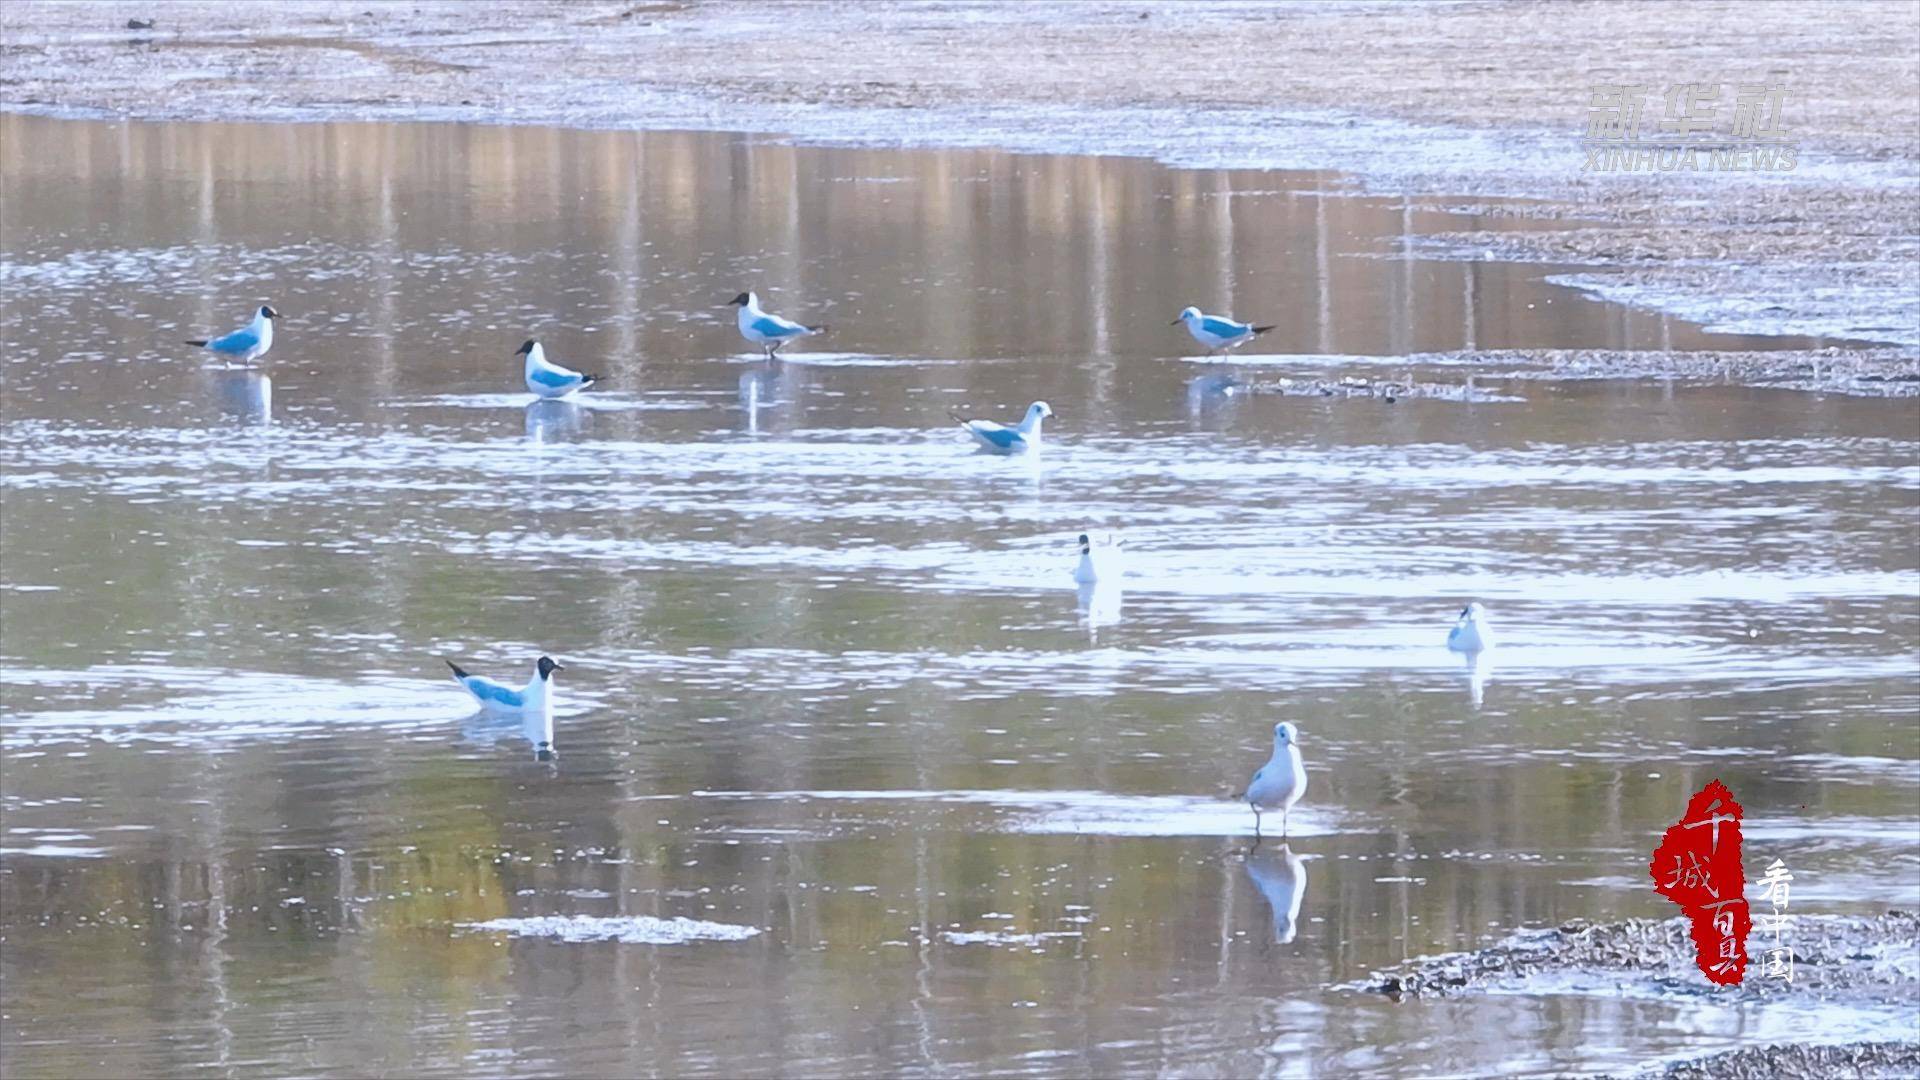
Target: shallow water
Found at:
828, 677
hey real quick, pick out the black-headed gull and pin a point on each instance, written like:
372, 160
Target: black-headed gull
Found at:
1099, 560
1281, 781
247, 344
1217, 332
1008, 440
768, 331
548, 379
533, 703
1470, 633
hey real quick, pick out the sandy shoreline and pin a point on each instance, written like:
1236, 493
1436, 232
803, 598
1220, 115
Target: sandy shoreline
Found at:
1495, 104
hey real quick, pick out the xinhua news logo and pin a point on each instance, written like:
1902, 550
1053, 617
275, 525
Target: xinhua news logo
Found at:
1688, 131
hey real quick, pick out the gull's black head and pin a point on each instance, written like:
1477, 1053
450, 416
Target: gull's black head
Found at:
548, 666
740, 301
268, 312
1084, 543
525, 349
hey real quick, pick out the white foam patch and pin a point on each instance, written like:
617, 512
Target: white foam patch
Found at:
1096, 814
590, 401
1004, 937
833, 359
1091, 813
56, 851
1322, 361
628, 929
194, 706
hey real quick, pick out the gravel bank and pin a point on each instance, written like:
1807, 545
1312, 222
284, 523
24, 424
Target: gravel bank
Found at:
1856, 974
1798, 1061
1853, 959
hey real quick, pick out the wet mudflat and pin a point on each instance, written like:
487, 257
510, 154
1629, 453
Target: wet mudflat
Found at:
851, 778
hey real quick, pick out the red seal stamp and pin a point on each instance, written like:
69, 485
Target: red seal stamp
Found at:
1697, 866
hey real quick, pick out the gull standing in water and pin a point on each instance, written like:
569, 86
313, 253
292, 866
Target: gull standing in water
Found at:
1007, 440
768, 331
547, 379
1097, 583
1281, 781
247, 344
1098, 561
1217, 332
1470, 633
533, 703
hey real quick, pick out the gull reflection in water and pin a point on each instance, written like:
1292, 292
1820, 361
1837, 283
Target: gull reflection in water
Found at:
554, 420
756, 392
1281, 877
762, 388
536, 728
1100, 603
1479, 668
245, 394
1206, 393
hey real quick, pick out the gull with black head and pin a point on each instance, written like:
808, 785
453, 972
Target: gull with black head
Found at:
1471, 632
247, 344
767, 330
547, 379
533, 703
1099, 559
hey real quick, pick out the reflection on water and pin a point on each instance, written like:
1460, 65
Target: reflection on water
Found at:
1478, 667
550, 420
831, 689
1100, 604
1281, 877
534, 729
758, 390
1212, 393
246, 395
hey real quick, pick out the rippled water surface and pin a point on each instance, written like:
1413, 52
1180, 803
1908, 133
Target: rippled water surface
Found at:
851, 777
